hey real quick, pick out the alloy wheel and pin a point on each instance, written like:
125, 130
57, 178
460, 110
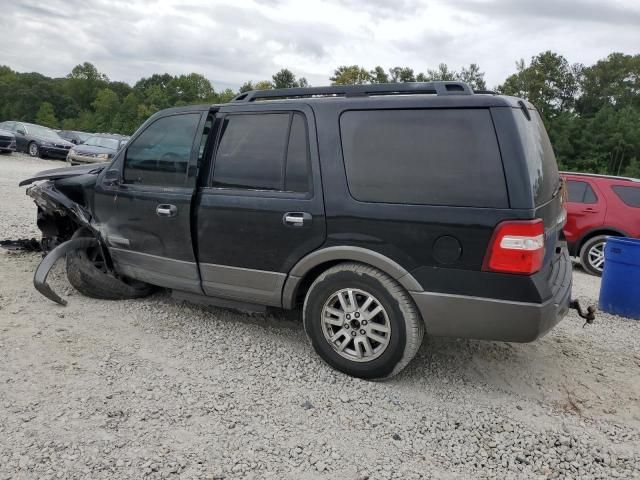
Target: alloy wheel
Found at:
596, 256
356, 325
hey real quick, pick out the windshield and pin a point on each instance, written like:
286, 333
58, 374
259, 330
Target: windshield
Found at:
104, 142
44, 132
83, 136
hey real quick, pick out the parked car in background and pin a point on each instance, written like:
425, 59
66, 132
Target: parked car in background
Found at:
36, 140
598, 207
7, 141
74, 136
97, 148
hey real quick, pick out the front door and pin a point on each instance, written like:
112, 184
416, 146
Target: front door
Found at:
145, 217
261, 209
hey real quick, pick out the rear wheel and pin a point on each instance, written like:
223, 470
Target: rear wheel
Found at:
362, 322
592, 255
33, 149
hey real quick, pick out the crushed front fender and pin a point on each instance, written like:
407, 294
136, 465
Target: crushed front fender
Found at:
47, 263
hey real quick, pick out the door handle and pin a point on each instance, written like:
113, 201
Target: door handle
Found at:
296, 219
590, 210
166, 210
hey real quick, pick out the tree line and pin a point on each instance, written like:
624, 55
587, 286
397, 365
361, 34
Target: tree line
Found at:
592, 113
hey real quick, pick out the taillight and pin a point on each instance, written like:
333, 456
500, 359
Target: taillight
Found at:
517, 246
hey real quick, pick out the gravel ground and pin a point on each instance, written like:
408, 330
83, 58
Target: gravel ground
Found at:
149, 387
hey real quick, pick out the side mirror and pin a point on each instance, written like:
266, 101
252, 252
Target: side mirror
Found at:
112, 178
21, 131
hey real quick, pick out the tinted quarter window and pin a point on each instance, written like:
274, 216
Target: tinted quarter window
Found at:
297, 166
435, 157
539, 156
629, 195
160, 155
251, 151
581, 192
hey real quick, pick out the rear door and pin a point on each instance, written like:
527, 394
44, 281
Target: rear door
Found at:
145, 218
261, 209
585, 208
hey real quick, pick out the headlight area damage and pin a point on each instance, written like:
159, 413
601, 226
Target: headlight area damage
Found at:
69, 230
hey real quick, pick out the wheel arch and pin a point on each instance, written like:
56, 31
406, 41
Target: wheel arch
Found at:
311, 266
601, 230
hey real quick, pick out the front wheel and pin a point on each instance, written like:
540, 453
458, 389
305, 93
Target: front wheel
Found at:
362, 322
592, 255
33, 149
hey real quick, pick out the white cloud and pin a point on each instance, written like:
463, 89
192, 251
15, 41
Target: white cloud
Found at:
234, 41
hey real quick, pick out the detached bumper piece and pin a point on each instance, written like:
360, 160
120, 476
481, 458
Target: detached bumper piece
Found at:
47, 263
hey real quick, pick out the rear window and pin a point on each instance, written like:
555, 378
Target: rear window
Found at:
430, 157
629, 195
541, 161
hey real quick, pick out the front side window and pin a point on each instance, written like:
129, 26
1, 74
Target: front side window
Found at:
629, 195
263, 151
160, 155
581, 192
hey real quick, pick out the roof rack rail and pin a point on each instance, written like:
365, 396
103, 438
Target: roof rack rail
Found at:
433, 88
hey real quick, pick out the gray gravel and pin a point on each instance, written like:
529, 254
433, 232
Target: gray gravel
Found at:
151, 388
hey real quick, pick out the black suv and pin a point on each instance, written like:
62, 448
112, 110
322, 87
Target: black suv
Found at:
383, 211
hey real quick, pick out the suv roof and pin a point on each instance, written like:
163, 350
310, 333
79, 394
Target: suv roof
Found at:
597, 175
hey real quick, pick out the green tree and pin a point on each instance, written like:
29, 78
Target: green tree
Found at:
350, 75
286, 79
401, 75
378, 75
106, 107
472, 76
46, 115
549, 82
441, 73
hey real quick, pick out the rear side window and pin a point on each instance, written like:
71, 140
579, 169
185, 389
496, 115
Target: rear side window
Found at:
160, 155
629, 195
263, 151
429, 157
541, 161
581, 192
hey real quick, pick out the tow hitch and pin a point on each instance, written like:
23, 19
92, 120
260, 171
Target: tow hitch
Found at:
590, 314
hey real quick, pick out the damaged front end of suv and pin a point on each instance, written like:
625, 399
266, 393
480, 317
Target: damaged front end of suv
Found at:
64, 198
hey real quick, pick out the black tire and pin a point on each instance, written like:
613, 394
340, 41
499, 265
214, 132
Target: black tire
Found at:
90, 278
588, 255
403, 319
33, 150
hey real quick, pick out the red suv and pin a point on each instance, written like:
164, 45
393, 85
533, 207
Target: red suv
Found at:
598, 207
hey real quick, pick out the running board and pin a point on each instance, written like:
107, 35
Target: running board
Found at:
207, 301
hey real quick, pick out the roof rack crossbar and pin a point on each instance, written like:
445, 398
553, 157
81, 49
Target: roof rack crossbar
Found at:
437, 88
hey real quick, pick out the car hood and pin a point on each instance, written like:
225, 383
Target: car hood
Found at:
90, 149
66, 172
6, 133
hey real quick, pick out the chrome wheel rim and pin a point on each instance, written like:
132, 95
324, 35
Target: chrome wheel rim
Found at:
356, 325
596, 256
33, 149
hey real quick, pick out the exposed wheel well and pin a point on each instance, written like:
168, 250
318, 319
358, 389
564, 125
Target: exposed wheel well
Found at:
309, 278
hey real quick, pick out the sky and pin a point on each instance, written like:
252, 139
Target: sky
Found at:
231, 42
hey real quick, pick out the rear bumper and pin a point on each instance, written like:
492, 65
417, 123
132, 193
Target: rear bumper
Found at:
493, 319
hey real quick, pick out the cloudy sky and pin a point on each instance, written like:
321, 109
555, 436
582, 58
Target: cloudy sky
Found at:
234, 41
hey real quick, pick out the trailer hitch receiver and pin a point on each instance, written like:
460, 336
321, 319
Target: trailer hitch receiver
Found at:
589, 316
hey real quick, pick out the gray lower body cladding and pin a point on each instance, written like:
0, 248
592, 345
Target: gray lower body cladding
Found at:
461, 316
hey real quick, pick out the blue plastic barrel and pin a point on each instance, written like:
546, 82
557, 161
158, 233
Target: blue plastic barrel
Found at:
620, 288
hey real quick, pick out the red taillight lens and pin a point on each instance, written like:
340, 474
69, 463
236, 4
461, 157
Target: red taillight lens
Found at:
517, 246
